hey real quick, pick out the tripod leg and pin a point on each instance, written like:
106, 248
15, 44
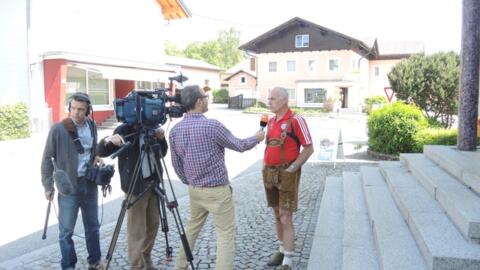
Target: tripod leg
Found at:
172, 206
163, 220
116, 232
125, 205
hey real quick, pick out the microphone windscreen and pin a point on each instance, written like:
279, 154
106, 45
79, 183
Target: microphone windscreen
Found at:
264, 120
62, 182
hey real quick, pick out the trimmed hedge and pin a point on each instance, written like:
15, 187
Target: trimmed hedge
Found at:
14, 122
436, 136
374, 101
220, 96
392, 128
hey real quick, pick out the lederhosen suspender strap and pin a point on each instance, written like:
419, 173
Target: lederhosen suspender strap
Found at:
276, 142
283, 136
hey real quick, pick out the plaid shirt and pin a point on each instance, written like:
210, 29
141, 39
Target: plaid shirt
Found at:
198, 150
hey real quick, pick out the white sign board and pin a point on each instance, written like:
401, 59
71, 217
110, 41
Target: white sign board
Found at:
326, 143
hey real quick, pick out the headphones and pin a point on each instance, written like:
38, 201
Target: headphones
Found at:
80, 96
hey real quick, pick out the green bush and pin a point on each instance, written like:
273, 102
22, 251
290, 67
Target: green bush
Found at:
261, 104
371, 101
392, 129
434, 123
436, 136
14, 122
220, 96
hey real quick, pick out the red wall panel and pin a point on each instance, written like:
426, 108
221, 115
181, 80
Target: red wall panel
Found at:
55, 75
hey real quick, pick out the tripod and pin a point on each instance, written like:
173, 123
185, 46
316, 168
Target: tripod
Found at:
158, 187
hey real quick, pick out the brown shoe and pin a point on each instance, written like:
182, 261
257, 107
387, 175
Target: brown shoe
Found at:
283, 267
276, 259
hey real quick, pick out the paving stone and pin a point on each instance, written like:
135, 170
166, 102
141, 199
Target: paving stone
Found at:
255, 232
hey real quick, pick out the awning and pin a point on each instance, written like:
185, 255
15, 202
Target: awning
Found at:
174, 9
134, 74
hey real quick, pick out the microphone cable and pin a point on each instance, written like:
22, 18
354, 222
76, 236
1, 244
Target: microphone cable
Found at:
74, 234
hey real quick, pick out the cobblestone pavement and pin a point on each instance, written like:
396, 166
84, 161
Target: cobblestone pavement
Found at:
255, 235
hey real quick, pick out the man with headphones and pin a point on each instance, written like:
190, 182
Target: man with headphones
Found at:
71, 143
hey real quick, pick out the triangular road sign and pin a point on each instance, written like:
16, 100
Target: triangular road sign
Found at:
389, 93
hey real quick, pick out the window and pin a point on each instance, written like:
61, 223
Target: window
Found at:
315, 95
90, 82
376, 71
143, 85
97, 88
290, 65
291, 93
272, 66
243, 79
333, 64
148, 85
302, 41
312, 65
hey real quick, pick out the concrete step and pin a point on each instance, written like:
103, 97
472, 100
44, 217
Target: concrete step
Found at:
461, 164
441, 244
396, 247
327, 240
358, 245
460, 203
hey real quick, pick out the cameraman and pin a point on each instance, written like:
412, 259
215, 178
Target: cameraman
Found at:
143, 216
74, 157
198, 157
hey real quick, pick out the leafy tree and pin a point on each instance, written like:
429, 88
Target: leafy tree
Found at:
222, 52
431, 82
229, 42
171, 49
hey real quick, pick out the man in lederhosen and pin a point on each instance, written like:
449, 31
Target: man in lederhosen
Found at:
287, 133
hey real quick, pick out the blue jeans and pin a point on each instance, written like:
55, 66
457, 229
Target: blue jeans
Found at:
86, 199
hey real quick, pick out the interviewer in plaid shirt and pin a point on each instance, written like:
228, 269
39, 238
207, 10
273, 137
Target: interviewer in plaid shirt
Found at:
198, 156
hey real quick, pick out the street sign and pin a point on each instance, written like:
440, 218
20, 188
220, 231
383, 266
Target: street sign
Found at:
389, 93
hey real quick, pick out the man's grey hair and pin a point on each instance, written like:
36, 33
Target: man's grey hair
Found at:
282, 91
190, 94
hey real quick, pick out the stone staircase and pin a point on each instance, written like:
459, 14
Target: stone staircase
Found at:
110, 123
422, 212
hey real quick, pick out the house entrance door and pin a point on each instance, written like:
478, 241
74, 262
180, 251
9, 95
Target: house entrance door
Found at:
344, 97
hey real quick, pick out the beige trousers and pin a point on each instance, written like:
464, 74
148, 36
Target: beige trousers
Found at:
142, 227
219, 202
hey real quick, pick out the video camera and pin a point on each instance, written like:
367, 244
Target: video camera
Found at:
149, 107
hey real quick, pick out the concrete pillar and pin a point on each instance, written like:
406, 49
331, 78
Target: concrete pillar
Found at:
469, 80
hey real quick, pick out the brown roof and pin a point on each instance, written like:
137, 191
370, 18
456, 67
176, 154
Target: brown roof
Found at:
370, 48
238, 72
253, 44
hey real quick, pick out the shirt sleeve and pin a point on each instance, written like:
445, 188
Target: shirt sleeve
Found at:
47, 166
225, 138
301, 130
176, 160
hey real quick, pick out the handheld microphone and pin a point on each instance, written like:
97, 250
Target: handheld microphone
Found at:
61, 179
119, 151
263, 121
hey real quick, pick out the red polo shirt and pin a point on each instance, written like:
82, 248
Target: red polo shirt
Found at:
300, 128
